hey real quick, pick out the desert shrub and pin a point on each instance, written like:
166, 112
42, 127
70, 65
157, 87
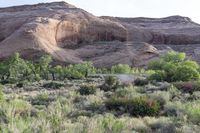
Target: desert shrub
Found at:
162, 97
121, 69
77, 114
141, 106
188, 87
174, 92
195, 95
128, 92
53, 85
111, 124
190, 109
141, 82
3, 117
72, 74
88, 90
1, 95
161, 124
42, 99
102, 71
20, 107
111, 84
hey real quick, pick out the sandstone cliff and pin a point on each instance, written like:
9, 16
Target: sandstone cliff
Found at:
50, 27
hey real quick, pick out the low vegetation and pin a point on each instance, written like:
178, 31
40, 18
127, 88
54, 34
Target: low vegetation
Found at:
40, 97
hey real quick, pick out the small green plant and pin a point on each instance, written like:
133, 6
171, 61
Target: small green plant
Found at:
88, 90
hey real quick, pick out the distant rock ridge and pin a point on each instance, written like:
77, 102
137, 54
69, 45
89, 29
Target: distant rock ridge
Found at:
177, 19
66, 32
170, 30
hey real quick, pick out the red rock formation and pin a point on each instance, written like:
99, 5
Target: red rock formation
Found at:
49, 27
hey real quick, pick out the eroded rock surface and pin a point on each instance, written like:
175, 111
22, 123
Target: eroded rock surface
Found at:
170, 30
50, 27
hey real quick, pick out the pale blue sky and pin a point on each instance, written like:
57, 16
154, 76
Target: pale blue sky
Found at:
129, 8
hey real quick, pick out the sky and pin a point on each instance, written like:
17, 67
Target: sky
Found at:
128, 8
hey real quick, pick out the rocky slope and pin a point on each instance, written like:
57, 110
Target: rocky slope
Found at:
72, 35
169, 30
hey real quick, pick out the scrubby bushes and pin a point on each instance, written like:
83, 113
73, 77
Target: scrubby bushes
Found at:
141, 82
188, 87
1, 95
141, 106
111, 84
174, 66
88, 90
42, 99
53, 85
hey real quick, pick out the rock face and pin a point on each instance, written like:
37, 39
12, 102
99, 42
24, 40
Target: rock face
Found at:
50, 27
72, 35
170, 30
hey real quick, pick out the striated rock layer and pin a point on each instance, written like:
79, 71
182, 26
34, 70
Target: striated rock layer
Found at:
72, 35
169, 30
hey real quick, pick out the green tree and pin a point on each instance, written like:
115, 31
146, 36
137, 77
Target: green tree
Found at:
186, 73
18, 70
191, 64
57, 72
173, 66
4, 72
43, 66
174, 57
